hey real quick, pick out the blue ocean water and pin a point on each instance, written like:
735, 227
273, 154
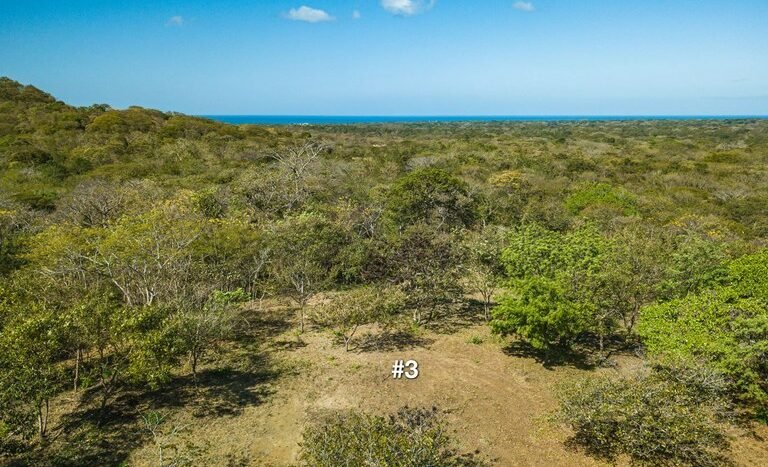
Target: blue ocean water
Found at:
348, 120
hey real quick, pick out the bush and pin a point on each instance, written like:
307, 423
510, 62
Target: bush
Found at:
551, 301
432, 196
541, 312
411, 437
727, 328
652, 419
602, 196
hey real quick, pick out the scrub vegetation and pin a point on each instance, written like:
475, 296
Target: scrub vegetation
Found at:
160, 273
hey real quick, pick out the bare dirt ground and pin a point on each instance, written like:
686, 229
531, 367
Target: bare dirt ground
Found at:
494, 402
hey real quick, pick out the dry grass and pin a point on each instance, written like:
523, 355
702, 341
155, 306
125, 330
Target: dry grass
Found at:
252, 403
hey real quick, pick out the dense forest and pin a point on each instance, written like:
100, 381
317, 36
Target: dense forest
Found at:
145, 255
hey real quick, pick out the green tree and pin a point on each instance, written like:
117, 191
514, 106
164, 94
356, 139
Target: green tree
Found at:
696, 264
346, 312
201, 325
303, 260
411, 437
31, 347
602, 196
727, 327
128, 344
542, 312
430, 196
551, 300
652, 419
483, 268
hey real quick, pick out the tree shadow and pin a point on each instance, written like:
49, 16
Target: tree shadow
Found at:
391, 340
86, 436
553, 357
217, 392
459, 316
288, 345
261, 325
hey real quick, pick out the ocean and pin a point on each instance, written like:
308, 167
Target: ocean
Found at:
351, 120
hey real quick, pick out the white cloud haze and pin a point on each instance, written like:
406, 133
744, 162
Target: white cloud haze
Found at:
356, 14
406, 7
308, 14
524, 6
175, 21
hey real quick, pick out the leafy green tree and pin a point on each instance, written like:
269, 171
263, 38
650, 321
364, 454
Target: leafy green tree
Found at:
304, 252
150, 255
128, 344
542, 312
602, 196
346, 312
550, 301
411, 437
201, 326
652, 419
630, 275
31, 347
431, 196
695, 265
727, 327
15, 220
483, 268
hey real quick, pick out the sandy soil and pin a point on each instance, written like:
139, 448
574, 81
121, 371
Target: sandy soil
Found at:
493, 402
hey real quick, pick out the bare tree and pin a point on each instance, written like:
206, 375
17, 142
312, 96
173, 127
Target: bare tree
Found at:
284, 186
295, 162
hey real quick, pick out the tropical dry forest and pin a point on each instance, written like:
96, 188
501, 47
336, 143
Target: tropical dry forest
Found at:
177, 291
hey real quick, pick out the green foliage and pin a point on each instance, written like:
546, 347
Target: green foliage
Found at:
727, 327
483, 269
541, 311
357, 307
602, 196
14, 221
536, 251
430, 196
411, 437
134, 345
749, 275
129, 237
550, 301
696, 264
31, 345
199, 327
651, 418
424, 262
304, 249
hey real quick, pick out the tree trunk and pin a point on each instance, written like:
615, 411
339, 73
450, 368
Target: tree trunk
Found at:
193, 358
107, 385
348, 339
42, 418
487, 306
78, 356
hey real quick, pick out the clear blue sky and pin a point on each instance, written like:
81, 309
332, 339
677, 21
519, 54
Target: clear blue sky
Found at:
395, 57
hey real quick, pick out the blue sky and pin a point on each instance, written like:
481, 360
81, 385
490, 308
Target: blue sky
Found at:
395, 57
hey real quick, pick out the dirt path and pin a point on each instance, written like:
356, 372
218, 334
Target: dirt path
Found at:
493, 402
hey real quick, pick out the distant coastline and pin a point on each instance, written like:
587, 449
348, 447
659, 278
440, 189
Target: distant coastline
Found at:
353, 119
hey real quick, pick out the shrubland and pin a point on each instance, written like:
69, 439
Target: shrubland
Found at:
132, 240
